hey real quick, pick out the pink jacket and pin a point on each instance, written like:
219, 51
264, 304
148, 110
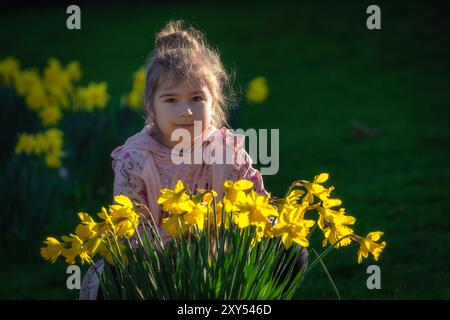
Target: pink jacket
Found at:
142, 166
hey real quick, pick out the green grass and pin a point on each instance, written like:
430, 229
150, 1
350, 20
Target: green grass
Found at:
324, 69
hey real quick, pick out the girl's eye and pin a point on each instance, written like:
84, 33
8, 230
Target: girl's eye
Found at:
197, 98
170, 100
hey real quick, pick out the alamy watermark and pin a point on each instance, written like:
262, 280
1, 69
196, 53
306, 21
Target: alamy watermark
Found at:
73, 22
374, 280
220, 149
374, 20
74, 279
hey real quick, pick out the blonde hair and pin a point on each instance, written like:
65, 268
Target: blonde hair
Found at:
183, 54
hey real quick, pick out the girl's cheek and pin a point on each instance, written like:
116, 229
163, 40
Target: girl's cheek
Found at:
167, 114
205, 111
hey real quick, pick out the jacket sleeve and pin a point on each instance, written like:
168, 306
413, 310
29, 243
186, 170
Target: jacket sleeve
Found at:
127, 168
128, 181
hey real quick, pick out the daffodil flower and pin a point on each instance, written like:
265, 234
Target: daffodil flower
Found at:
314, 188
234, 192
174, 201
254, 209
334, 224
369, 245
107, 224
74, 71
257, 90
73, 247
53, 249
135, 98
95, 95
26, 81
87, 228
9, 69
123, 216
172, 225
291, 226
105, 251
196, 216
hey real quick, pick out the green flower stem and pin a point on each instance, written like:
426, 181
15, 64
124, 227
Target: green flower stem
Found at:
328, 275
324, 254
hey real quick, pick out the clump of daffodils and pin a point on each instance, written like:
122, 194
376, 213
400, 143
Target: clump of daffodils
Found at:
48, 144
306, 206
55, 90
93, 96
120, 220
49, 94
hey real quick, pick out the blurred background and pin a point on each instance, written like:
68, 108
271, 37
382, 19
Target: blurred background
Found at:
371, 107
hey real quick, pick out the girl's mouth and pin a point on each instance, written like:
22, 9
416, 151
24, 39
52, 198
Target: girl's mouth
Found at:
185, 125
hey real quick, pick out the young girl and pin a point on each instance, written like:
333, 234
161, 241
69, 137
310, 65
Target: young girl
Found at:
185, 84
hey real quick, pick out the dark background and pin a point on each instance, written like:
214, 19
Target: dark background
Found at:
369, 107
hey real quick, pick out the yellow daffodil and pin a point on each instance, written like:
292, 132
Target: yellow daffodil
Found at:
369, 245
257, 90
73, 247
335, 224
139, 80
87, 228
36, 97
107, 224
93, 96
56, 97
73, 69
124, 216
208, 196
41, 144
292, 227
175, 201
54, 138
188, 212
9, 69
50, 115
293, 198
53, 160
53, 249
48, 143
222, 215
26, 81
55, 76
92, 245
135, 99
105, 251
314, 188
254, 209
325, 194
234, 192
25, 144
196, 215
174, 225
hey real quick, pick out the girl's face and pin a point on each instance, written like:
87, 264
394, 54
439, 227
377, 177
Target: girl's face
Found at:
178, 105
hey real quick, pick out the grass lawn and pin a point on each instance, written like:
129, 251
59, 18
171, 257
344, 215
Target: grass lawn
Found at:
328, 76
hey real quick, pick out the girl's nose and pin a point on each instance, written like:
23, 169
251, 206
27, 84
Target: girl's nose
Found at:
186, 113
